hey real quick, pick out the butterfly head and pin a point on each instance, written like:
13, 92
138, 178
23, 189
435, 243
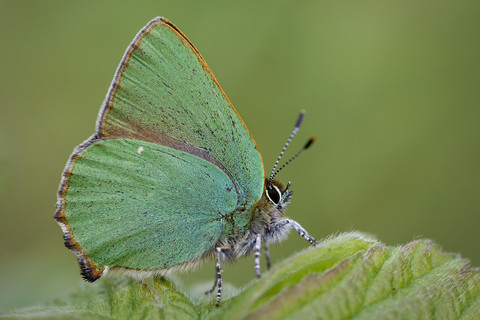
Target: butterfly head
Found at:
278, 195
275, 192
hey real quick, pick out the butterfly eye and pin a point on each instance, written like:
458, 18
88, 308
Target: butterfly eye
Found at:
273, 194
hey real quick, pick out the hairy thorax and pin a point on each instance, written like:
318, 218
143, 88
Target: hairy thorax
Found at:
266, 220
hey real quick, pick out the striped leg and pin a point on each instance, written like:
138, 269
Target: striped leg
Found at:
302, 232
219, 276
257, 255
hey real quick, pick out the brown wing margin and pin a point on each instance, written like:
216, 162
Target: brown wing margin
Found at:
89, 270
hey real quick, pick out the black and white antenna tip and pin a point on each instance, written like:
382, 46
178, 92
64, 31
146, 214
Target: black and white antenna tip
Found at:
292, 134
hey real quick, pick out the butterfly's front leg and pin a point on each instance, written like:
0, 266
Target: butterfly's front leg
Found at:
301, 231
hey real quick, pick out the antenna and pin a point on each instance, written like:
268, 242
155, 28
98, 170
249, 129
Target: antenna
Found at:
307, 145
294, 131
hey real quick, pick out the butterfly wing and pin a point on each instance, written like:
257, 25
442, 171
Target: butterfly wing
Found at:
169, 159
164, 93
139, 205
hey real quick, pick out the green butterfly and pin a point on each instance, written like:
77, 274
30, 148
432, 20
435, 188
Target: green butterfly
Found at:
172, 175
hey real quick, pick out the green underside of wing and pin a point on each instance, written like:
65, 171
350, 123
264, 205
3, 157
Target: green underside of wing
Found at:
144, 206
165, 91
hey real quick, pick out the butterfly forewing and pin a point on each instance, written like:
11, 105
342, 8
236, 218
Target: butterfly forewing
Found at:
165, 93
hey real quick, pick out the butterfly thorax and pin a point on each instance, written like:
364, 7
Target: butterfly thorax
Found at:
265, 219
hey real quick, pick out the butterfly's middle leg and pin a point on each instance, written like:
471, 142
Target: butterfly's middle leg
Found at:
258, 245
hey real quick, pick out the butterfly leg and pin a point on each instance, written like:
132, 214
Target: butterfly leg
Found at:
214, 285
302, 232
218, 277
257, 255
218, 280
267, 255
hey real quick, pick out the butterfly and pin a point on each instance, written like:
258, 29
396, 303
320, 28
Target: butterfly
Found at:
171, 175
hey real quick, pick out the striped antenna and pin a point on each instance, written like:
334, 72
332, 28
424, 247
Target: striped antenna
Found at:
294, 131
307, 145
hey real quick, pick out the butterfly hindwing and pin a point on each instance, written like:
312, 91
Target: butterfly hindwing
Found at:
140, 205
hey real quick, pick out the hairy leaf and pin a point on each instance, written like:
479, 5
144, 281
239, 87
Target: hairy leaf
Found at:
350, 276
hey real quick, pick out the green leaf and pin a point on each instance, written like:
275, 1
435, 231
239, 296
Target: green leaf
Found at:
349, 276
118, 298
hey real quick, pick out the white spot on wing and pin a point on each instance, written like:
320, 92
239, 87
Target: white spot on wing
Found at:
140, 150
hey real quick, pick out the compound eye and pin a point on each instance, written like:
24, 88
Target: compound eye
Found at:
273, 194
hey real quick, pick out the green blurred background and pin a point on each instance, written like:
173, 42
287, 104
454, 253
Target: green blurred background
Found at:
391, 91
